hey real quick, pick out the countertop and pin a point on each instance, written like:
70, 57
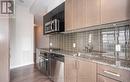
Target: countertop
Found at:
92, 57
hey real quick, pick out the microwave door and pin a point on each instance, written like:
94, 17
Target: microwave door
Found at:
48, 27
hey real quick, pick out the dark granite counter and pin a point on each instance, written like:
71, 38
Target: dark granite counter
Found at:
92, 57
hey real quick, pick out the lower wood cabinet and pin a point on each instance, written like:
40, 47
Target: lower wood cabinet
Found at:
70, 69
105, 79
86, 71
79, 71
119, 75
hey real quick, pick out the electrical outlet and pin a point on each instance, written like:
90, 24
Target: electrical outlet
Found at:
118, 63
79, 54
118, 47
50, 44
74, 45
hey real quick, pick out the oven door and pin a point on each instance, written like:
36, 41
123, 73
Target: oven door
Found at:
44, 65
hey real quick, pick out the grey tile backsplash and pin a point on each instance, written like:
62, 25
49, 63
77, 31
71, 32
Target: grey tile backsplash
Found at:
110, 41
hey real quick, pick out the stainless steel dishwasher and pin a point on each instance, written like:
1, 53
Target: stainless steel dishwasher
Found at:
57, 68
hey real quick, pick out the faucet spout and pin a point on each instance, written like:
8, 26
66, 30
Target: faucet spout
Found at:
89, 48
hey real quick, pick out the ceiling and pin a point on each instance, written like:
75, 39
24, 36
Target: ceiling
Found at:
36, 6
39, 7
26, 3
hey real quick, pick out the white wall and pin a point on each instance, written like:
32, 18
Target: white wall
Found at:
53, 4
4, 49
21, 41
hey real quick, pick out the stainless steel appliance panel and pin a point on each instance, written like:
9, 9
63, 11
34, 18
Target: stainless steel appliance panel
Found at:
57, 68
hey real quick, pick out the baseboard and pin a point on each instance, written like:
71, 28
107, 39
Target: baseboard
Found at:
14, 67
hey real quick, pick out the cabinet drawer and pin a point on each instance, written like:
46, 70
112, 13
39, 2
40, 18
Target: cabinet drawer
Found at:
105, 79
115, 73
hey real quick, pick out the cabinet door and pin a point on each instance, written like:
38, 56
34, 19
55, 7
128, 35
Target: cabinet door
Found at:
89, 13
70, 69
78, 13
86, 71
114, 10
105, 79
92, 12
68, 15
82, 13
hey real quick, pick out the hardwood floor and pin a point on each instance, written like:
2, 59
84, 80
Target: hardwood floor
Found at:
27, 74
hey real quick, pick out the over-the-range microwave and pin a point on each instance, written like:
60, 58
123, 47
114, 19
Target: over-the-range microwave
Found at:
53, 26
54, 20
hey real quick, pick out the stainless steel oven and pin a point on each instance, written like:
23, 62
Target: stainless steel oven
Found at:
44, 63
52, 26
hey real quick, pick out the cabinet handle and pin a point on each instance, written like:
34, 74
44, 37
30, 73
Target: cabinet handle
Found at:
75, 65
111, 73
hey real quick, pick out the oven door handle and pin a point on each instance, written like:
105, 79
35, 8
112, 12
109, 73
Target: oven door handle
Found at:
46, 59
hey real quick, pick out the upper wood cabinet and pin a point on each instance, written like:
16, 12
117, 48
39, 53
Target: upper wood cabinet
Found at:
68, 15
79, 71
81, 13
78, 14
114, 10
93, 12
86, 13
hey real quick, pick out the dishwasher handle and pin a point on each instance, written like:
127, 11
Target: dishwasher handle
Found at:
59, 59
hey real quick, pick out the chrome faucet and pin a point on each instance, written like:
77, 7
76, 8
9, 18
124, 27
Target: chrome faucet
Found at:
89, 48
